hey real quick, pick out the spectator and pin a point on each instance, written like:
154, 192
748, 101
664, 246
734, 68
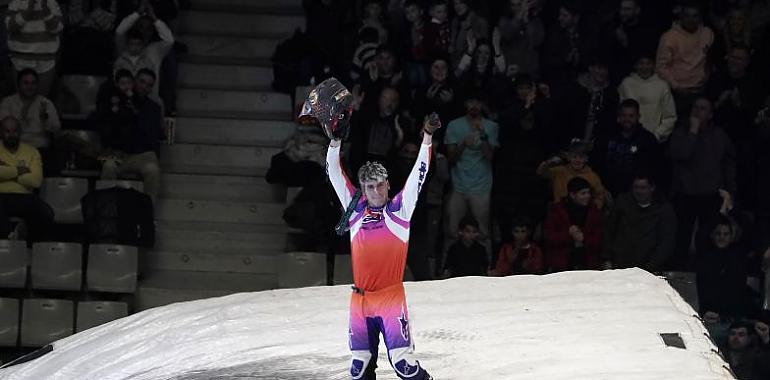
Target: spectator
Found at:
412, 41
373, 18
641, 228
34, 33
136, 51
573, 230
682, 58
568, 47
37, 115
478, 73
525, 140
522, 36
136, 149
561, 174
748, 350
439, 96
21, 174
466, 22
656, 104
378, 136
703, 167
736, 32
467, 256
739, 94
522, 255
471, 141
590, 108
438, 32
365, 52
626, 150
627, 37
721, 271
384, 72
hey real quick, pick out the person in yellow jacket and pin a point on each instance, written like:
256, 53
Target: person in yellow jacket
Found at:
559, 172
21, 172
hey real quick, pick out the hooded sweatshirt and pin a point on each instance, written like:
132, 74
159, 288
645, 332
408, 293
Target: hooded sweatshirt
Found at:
656, 105
682, 57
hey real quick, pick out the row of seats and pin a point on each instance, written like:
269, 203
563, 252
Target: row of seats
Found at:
59, 266
63, 194
35, 322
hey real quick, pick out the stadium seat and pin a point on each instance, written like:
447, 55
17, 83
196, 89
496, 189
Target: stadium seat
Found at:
95, 313
57, 266
13, 264
124, 183
112, 268
63, 195
77, 95
343, 270
9, 322
300, 269
45, 320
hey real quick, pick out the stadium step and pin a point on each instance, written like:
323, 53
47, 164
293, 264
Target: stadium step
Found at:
234, 77
219, 211
250, 50
191, 130
240, 24
159, 288
232, 101
219, 187
216, 159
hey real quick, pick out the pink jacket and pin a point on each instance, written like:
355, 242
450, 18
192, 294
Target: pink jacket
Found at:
682, 57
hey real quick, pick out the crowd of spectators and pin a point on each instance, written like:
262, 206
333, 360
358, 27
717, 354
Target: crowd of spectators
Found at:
128, 42
579, 135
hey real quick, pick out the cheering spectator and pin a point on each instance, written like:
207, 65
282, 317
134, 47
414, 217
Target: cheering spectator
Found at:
381, 73
133, 40
682, 58
626, 150
568, 47
573, 230
368, 41
590, 108
560, 174
522, 35
378, 136
656, 104
703, 167
466, 22
478, 73
471, 141
439, 96
466, 257
34, 32
641, 228
748, 350
21, 174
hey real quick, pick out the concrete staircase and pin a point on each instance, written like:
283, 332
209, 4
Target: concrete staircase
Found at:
219, 228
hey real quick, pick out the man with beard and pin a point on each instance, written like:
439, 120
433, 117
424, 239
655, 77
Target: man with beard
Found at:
21, 173
626, 150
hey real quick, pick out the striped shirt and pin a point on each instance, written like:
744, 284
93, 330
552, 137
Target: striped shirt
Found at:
33, 35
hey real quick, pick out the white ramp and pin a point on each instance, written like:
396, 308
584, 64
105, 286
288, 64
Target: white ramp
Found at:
565, 326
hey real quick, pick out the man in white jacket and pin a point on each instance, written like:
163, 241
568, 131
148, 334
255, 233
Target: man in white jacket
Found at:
656, 104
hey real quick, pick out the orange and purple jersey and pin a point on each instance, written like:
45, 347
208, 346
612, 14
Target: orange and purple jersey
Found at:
379, 237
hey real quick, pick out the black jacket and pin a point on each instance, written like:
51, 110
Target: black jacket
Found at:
118, 216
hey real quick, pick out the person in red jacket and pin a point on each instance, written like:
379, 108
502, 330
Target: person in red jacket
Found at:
522, 255
573, 230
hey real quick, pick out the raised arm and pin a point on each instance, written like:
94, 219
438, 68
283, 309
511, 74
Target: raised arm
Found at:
411, 191
342, 185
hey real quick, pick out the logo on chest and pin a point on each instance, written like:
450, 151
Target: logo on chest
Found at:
371, 216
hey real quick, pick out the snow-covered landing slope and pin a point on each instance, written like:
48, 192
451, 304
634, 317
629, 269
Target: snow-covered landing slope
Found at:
572, 325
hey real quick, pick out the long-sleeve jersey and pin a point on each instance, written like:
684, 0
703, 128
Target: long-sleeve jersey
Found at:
379, 237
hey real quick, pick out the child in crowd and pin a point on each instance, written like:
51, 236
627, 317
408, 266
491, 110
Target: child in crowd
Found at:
466, 257
521, 256
560, 174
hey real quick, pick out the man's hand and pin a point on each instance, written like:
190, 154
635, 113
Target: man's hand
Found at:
763, 330
710, 317
471, 139
431, 124
576, 233
335, 143
446, 95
